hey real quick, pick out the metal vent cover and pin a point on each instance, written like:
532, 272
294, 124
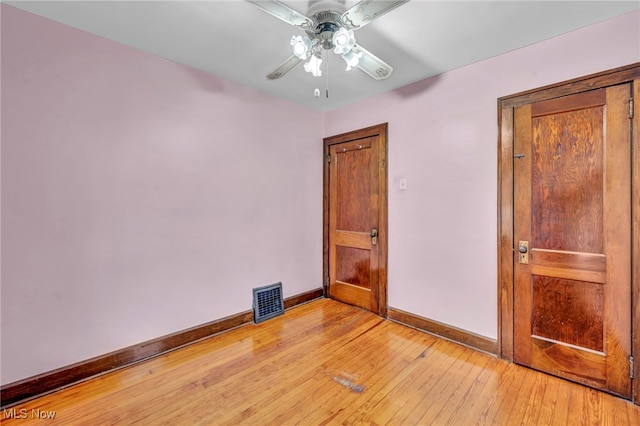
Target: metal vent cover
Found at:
267, 302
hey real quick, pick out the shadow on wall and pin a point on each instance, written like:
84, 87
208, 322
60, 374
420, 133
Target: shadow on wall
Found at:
212, 84
207, 82
417, 88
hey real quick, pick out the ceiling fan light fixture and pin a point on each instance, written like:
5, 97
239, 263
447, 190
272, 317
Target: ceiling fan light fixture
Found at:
343, 41
301, 46
313, 66
352, 58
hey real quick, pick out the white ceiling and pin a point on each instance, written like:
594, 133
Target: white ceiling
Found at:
236, 41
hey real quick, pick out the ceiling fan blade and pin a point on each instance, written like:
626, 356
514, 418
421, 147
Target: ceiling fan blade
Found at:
284, 12
372, 65
366, 11
284, 68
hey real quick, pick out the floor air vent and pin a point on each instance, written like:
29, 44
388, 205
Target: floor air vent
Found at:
267, 302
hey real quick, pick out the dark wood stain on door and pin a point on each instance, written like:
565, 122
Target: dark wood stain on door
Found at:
572, 192
355, 218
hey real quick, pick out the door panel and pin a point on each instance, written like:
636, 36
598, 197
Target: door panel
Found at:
353, 182
572, 177
353, 214
356, 210
353, 266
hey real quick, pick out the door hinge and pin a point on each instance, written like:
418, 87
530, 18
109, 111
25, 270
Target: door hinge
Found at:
631, 367
631, 108
328, 157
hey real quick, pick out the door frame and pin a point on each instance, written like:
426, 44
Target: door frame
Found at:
380, 131
506, 248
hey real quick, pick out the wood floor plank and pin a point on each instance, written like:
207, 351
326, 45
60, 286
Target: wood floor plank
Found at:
474, 402
561, 401
394, 350
326, 363
446, 393
469, 390
549, 405
372, 373
380, 402
530, 391
502, 400
433, 382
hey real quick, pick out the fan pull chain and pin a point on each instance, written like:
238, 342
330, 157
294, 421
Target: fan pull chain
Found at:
327, 89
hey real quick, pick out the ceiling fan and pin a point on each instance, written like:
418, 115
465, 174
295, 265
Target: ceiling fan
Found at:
327, 27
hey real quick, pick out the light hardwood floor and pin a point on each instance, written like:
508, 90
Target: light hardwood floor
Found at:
326, 363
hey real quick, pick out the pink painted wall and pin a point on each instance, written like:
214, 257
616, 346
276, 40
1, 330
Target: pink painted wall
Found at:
140, 197
443, 140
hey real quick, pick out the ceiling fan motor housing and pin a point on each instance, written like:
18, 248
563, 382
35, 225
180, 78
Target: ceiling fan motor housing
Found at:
325, 33
327, 22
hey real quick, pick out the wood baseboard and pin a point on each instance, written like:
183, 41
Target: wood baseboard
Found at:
454, 334
32, 387
299, 299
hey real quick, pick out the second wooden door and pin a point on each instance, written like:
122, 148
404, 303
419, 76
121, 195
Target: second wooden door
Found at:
572, 237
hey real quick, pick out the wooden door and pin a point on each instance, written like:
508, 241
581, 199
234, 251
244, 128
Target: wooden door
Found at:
572, 219
355, 218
